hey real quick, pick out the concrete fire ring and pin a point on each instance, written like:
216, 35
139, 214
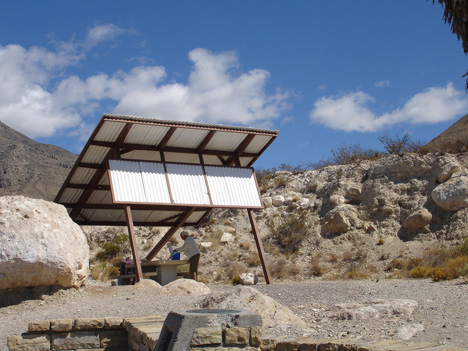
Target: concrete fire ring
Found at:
179, 327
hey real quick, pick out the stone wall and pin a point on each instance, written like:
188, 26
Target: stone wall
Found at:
68, 334
142, 333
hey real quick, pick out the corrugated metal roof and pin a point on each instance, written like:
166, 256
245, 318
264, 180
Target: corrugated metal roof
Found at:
87, 192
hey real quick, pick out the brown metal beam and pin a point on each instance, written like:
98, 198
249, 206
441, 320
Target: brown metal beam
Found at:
240, 150
205, 141
167, 137
168, 235
258, 242
133, 243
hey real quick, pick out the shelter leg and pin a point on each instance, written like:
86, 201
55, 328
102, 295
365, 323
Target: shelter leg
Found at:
258, 242
131, 234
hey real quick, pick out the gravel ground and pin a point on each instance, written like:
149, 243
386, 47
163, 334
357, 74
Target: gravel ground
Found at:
441, 309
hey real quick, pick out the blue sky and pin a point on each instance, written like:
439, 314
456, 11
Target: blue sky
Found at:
324, 73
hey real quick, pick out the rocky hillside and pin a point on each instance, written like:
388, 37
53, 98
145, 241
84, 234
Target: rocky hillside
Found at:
353, 221
29, 168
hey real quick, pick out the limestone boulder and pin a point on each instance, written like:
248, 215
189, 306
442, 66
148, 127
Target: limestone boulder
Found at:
248, 279
250, 299
185, 287
147, 284
227, 238
278, 201
453, 194
338, 224
445, 167
341, 219
40, 245
418, 219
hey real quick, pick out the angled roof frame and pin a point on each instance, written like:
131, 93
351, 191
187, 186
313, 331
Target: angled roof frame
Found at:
95, 193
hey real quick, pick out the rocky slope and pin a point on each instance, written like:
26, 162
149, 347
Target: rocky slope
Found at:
30, 168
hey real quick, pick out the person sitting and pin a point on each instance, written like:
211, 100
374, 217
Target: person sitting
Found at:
190, 249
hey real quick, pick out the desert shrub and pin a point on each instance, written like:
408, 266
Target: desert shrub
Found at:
462, 250
316, 269
395, 264
401, 142
244, 245
282, 269
441, 264
412, 263
235, 269
117, 247
290, 232
235, 280
421, 272
280, 182
103, 271
349, 154
354, 273
253, 260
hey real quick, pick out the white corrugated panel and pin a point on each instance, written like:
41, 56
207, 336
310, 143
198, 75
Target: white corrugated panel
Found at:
181, 158
211, 160
245, 161
187, 138
142, 155
187, 184
100, 197
155, 216
70, 195
127, 182
146, 134
104, 179
82, 175
104, 215
225, 141
196, 216
154, 182
95, 154
233, 187
109, 131
258, 143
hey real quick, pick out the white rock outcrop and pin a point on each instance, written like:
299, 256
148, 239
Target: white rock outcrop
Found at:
40, 245
453, 194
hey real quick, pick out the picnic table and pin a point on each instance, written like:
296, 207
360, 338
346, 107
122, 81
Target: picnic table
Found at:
163, 271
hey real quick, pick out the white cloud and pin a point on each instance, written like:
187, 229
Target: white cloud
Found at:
104, 32
25, 103
352, 113
38, 98
382, 84
212, 94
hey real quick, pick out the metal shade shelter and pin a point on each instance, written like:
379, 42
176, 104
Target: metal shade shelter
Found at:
152, 172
